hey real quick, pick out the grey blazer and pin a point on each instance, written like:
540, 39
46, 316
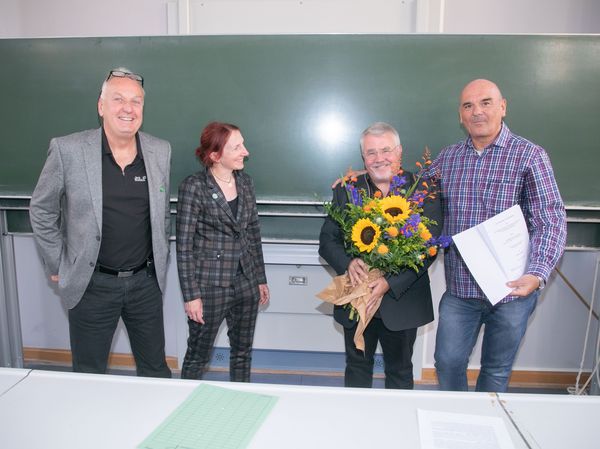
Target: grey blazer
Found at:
66, 208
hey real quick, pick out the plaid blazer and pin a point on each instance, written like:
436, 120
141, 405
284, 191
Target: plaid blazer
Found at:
211, 242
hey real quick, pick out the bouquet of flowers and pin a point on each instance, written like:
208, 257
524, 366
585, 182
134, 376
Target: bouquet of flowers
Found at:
389, 234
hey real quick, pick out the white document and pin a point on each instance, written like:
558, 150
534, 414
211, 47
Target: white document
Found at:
443, 430
496, 251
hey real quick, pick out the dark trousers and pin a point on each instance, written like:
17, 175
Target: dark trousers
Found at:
238, 305
397, 347
92, 323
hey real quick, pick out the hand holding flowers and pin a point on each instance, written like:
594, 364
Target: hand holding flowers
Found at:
384, 235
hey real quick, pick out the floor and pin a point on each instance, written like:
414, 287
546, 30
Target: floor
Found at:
329, 380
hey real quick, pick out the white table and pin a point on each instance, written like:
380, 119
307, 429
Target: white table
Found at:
66, 410
556, 421
10, 377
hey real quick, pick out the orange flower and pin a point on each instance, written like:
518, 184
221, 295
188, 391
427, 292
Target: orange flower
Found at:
424, 232
427, 162
424, 184
383, 249
377, 194
432, 251
369, 206
418, 164
392, 231
354, 179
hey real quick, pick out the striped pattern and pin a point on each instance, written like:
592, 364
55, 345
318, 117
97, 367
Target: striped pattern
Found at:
211, 243
220, 260
238, 305
474, 188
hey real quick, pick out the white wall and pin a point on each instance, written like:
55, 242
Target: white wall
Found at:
302, 16
521, 16
38, 18
66, 18
10, 18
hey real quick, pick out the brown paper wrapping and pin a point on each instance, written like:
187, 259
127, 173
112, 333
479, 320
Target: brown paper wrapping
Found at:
341, 292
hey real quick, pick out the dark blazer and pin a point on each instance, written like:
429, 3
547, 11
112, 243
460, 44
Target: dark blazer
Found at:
66, 208
211, 242
407, 304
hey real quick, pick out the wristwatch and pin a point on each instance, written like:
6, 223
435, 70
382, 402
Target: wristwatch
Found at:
542, 283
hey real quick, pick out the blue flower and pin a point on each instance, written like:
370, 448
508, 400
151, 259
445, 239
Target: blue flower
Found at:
443, 241
398, 181
418, 198
411, 226
355, 196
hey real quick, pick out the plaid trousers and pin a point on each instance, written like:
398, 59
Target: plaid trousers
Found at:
238, 305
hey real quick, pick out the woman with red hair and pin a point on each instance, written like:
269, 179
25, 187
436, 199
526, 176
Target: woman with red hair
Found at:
219, 253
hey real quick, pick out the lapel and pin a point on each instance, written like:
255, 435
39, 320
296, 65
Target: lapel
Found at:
217, 196
92, 157
153, 173
241, 190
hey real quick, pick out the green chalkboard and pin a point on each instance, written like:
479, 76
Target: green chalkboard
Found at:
302, 101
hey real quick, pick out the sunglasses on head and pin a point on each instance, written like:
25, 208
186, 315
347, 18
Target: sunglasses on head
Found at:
122, 74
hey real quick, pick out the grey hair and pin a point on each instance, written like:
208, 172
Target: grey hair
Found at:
379, 129
106, 79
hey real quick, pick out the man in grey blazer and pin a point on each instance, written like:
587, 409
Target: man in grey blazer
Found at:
101, 218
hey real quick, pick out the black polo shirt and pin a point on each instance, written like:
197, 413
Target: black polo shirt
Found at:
126, 233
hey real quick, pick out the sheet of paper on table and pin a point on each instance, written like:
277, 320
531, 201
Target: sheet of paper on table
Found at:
212, 417
443, 430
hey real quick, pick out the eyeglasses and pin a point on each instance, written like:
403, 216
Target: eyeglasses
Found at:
122, 74
372, 154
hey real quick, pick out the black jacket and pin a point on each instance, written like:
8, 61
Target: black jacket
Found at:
407, 304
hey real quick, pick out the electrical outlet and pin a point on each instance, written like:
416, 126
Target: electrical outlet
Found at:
298, 280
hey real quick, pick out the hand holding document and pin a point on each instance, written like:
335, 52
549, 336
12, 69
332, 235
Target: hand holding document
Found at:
496, 251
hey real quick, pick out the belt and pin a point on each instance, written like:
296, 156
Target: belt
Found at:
120, 273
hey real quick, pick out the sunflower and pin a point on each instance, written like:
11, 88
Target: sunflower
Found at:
395, 208
365, 234
424, 232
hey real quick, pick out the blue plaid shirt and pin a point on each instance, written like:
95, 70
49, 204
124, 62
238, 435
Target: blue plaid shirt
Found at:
476, 187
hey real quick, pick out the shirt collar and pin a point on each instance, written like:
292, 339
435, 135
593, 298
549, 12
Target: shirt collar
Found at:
370, 185
501, 140
106, 146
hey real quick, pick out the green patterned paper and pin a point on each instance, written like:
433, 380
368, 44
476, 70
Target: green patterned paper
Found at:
212, 418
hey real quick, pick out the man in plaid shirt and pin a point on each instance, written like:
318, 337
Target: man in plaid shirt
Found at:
480, 177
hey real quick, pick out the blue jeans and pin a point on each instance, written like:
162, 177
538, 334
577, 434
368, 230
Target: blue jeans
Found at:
459, 323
